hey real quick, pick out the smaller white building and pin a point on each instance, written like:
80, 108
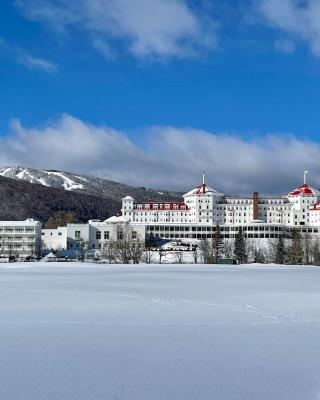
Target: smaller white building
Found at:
20, 239
91, 236
54, 239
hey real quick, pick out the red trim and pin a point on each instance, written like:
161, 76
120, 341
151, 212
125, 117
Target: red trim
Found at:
315, 207
162, 206
201, 189
303, 190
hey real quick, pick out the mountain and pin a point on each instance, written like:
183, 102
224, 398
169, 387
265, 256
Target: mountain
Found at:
30, 193
86, 184
21, 200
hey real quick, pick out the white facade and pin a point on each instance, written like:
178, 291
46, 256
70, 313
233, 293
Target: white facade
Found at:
94, 235
203, 208
20, 239
54, 238
197, 217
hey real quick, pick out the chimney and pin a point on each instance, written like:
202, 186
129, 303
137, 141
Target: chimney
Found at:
255, 205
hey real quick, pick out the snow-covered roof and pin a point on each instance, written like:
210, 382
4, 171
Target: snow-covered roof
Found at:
203, 189
304, 190
50, 255
128, 198
116, 219
27, 222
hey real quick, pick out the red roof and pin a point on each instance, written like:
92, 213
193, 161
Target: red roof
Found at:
162, 206
304, 190
201, 189
315, 207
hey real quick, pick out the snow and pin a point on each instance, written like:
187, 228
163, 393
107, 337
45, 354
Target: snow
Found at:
43, 182
203, 189
81, 178
85, 331
68, 183
4, 171
28, 222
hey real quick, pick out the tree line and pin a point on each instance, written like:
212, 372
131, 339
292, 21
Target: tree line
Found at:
300, 249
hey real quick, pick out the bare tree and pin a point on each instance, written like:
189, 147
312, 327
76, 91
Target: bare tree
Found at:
108, 251
179, 256
147, 255
228, 248
295, 253
136, 250
307, 248
161, 253
128, 248
315, 252
2, 246
259, 256
206, 251
195, 254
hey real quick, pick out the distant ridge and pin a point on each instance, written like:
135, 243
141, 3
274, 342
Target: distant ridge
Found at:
32, 193
84, 184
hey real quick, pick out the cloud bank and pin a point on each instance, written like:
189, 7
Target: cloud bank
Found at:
170, 158
300, 19
148, 28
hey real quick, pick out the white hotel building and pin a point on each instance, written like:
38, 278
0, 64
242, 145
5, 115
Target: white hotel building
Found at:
197, 217
20, 239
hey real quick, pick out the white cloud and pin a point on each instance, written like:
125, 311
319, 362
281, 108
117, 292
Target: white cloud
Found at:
156, 28
21, 56
36, 63
171, 158
299, 18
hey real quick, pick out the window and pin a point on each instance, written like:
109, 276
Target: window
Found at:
106, 235
98, 235
77, 234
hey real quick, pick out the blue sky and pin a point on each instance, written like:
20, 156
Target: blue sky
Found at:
246, 69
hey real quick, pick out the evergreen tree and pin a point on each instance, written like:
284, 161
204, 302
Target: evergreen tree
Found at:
315, 252
217, 245
296, 249
280, 257
150, 241
240, 251
258, 256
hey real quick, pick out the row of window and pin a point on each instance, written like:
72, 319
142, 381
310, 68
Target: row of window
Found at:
17, 238
20, 230
212, 228
225, 235
15, 246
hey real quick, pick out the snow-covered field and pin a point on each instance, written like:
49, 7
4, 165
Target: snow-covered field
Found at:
173, 332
